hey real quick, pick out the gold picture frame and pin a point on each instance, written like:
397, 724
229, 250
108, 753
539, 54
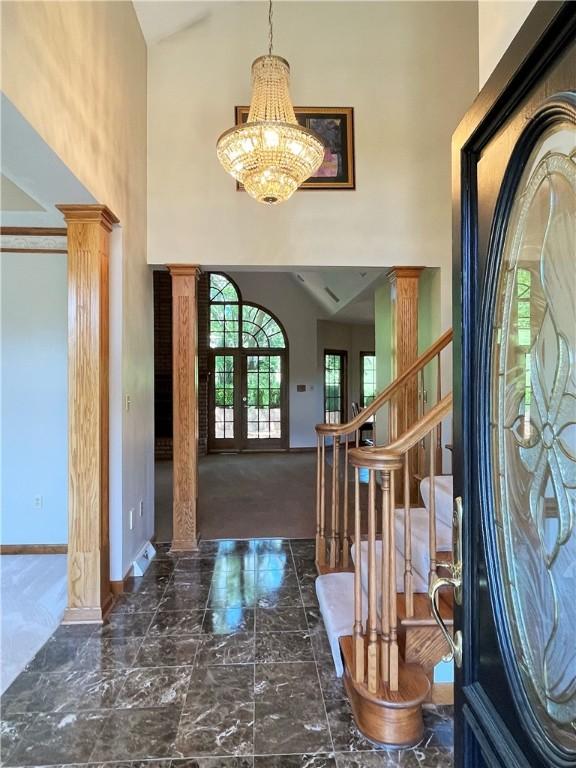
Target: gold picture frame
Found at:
335, 125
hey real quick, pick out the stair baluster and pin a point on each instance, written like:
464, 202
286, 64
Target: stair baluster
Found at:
358, 631
438, 446
345, 560
385, 577
432, 509
393, 653
335, 535
321, 502
408, 585
372, 628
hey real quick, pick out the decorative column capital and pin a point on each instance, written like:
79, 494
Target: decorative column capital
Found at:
89, 214
397, 273
184, 270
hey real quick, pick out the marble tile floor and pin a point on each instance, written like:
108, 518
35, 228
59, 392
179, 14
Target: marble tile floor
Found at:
218, 660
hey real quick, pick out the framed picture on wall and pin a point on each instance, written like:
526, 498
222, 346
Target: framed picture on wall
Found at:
335, 126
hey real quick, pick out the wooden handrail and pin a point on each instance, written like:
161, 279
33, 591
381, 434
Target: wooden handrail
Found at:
390, 456
389, 391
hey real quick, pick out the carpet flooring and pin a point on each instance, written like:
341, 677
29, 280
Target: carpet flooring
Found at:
246, 495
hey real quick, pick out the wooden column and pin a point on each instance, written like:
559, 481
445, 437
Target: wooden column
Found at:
89, 228
404, 300
185, 389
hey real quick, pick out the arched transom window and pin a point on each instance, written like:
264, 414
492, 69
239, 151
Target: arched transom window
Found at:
236, 323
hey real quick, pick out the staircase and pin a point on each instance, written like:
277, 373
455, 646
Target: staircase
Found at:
376, 569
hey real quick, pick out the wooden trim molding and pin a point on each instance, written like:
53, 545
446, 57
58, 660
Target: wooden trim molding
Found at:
118, 587
15, 240
33, 250
34, 231
185, 399
88, 232
33, 549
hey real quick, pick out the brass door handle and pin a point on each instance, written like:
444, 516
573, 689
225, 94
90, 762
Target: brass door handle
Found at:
456, 642
455, 581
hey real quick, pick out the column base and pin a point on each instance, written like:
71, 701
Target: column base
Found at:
90, 615
184, 545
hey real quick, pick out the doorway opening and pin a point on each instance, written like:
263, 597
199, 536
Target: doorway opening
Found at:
262, 388
247, 373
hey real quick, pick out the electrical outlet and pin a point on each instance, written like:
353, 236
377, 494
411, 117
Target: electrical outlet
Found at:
141, 508
131, 518
38, 501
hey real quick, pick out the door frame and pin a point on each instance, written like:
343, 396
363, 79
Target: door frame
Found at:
548, 32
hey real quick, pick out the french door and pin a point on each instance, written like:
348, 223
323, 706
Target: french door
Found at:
515, 404
248, 404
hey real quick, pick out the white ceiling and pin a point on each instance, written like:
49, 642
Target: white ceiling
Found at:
160, 19
345, 294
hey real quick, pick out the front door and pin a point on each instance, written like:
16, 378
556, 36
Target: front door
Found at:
515, 403
247, 401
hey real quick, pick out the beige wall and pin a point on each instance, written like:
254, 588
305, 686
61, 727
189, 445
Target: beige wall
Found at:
394, 62
498, 23
77, 73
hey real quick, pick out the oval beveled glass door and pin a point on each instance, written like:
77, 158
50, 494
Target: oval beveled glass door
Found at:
533, 417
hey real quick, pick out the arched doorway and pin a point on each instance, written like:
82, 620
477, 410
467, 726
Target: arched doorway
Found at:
248, 373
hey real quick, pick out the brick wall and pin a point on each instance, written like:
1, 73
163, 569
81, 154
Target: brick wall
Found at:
163, 363
203, 319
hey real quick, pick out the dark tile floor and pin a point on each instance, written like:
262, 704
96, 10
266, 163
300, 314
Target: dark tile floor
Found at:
217, 661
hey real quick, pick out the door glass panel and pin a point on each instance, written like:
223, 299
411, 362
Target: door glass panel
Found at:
264, 400
223, 396
333, 387
533, 411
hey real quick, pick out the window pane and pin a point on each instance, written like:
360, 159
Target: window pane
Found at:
221, 289
368, 374
259, 329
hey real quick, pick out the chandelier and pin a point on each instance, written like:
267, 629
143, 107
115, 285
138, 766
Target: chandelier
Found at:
270, 154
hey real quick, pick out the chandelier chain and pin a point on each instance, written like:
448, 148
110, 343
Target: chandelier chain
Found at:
270, 29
